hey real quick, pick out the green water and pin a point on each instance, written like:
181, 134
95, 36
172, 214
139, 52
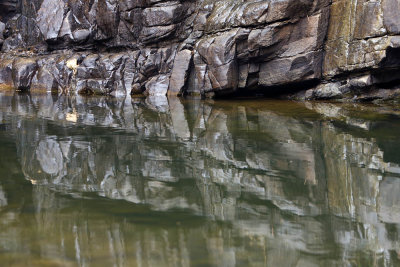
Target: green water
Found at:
156, 182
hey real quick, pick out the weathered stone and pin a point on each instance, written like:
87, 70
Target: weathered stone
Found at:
391, 11
157, 86
44, 79
224, 77
161, 16
98, 86
356, 37
219, 53
50, 18
74, 28
23, 32
289, 70
105, 16
152, 34
361, 82
6, 71
330, 90
23, 70
80, 35
133, 45
218, 50
125, 5
180, 72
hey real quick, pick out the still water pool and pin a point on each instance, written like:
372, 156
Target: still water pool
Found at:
157, 182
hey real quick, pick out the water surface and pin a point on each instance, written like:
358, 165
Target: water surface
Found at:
157, 182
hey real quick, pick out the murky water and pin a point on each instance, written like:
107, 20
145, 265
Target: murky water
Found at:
156, 182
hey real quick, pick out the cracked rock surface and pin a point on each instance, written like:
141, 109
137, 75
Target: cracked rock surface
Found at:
296, 49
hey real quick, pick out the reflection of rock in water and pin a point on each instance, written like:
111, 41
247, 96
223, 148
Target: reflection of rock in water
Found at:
271, 176
49, 154
389, 200
3, 198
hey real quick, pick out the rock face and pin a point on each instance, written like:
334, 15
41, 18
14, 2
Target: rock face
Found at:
204, 47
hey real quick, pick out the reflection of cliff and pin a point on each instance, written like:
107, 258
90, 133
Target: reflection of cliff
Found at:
270, 176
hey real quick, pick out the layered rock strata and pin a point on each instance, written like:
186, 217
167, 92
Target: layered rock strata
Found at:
335, 49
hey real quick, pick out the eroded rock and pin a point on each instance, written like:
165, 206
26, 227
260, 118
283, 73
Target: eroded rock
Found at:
23, 71
202, 47
180, 72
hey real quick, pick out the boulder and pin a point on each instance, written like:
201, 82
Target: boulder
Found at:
330, 90
6, 71
23, 70
157, 86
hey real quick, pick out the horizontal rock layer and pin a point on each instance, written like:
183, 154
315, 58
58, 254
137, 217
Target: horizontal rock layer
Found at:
335, 49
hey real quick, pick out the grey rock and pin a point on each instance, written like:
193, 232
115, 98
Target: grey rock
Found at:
104, 15
391, 10
379, 94
44, 79
330, 90
50, 18
50, 157
180, 72
218, 50
223, 78
23, 32
23, 71
152, 34
6, 71
289, 70
395, 42
129, 46
361, 82
98, 86
161, 16
219, 53
157, 86
81, 35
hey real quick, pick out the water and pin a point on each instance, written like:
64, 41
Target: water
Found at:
156, 182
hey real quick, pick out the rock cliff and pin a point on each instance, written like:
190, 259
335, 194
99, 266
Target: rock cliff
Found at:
303, 49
